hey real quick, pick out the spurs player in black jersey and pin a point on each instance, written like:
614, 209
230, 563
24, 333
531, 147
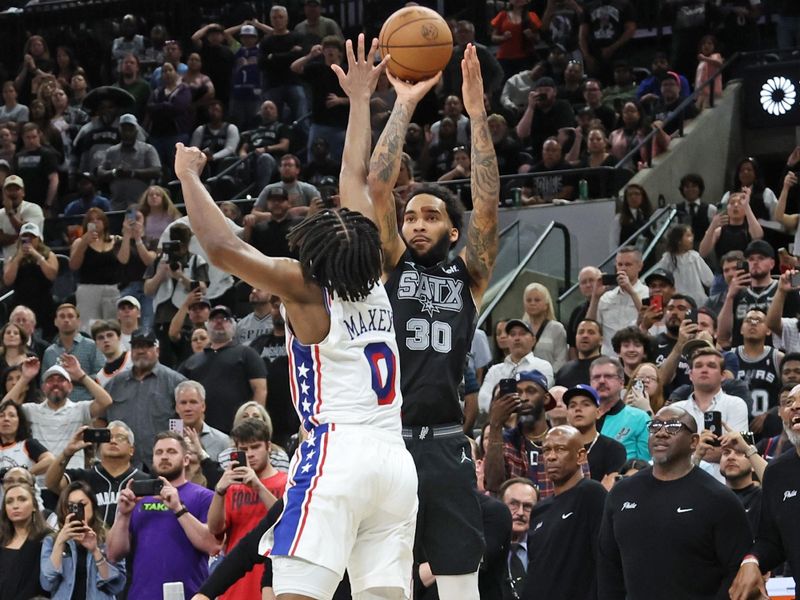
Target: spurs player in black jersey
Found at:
435, 303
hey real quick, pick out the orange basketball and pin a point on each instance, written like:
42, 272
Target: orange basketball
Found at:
419, 41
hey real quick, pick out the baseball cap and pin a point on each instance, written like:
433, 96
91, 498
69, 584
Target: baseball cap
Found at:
248, 30
277, 192
128, 119
203, 300
130, 300
56, 370
30, 229
581, 390
221, 309
14, 180
692, 346
755, 247
517, 323
86, 175
673, 76
660, 274
4, 165
544, 82
535, 376
144, 336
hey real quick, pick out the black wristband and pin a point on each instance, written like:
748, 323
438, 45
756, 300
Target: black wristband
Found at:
181, 512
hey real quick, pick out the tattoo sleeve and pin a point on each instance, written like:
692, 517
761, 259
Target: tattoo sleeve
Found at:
482, 241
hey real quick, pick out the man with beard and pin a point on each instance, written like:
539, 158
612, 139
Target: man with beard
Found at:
54, 421
166, 535
143, 396
778, 536
588, 342
300, 193
740, 465
267, 231
434, 302
543, 116
231, 373
258, 322
520, 496
672, 365
604, 455
272, 349
704, 523
564, 527
517, 428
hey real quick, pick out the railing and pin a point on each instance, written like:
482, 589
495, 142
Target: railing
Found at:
540, 258
658, 224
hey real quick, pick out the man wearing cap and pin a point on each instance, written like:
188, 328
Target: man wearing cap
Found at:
129, 312
671, 98
518, 425
217, 57
172, 55
660, 283
54, 421
754, 289
144, 395
38, 167
619, 306
520, 358
231, 373
87, 197
192, 314
564, 526
246, 81
16, 211
604, 454
70, 341
315, 27
129, 166
544, 115
267, 230
670, 531
106, 334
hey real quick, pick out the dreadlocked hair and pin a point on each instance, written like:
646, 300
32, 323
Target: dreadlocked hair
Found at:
339, 251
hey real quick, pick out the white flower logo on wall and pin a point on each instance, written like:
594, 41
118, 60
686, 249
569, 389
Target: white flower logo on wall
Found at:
778, 96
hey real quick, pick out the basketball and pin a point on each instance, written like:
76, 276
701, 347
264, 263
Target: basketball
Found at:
419, 41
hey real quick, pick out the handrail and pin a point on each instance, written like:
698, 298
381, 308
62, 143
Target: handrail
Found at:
661, 231
650, 222
487, 309
678, 112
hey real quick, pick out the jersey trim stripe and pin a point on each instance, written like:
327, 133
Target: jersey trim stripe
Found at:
299, 492
318, 386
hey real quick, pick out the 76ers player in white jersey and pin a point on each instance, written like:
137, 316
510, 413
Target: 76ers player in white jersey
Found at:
351, 500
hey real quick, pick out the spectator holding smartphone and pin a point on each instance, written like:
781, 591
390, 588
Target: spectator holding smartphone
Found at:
22, 528
164, 533
74, 562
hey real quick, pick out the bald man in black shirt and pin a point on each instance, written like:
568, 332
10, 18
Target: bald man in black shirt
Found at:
670, 531
562, 547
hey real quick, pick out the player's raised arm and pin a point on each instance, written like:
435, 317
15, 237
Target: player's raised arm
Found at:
282, 276
384, 166
358, 83
480, 251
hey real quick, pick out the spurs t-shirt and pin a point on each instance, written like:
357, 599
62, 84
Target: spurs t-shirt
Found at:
161, 551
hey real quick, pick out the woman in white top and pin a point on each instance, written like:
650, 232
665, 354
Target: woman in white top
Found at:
789, 221
551, 337
692, 275
762, 199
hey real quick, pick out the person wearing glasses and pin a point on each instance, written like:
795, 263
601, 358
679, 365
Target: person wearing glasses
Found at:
694, 525
107, 477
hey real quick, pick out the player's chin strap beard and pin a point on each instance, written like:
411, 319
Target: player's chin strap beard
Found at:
436, 254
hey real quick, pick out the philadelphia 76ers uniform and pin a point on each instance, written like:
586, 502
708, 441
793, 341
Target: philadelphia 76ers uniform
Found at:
351, 498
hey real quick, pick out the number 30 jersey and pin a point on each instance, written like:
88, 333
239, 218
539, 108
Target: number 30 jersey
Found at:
434, 318
352, 376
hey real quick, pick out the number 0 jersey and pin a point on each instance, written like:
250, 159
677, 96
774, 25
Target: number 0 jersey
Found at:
434, 316
352, 376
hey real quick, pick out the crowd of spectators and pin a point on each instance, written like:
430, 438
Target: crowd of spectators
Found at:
162, 371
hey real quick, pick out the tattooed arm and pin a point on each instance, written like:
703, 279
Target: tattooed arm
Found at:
481, 249
358, 83
384, 166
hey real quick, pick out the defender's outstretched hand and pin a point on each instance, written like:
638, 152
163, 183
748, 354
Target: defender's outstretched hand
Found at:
188, 160
362, 74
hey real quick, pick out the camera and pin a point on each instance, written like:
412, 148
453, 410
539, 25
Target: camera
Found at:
97, 436
507, 386
147, 487
171, 252
609, 279
76, 508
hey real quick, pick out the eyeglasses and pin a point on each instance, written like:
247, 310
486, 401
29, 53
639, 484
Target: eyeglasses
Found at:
120, 437
754, 321
515, 504
672, 427
647, 378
